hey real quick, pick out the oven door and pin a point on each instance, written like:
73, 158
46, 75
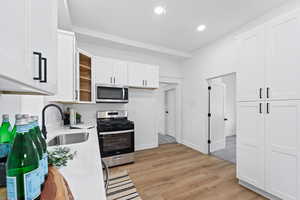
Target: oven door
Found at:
116, 143
108, 94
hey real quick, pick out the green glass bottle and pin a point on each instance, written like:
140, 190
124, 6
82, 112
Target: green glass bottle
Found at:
22, 178
14, 130
44, 145
39, 148
5, 138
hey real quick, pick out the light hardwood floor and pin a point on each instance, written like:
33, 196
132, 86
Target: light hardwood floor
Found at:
176, 172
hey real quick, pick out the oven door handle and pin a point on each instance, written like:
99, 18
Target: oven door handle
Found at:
116, 132
106, 174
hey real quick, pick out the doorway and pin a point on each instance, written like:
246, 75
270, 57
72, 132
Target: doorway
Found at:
168, 111
222, 117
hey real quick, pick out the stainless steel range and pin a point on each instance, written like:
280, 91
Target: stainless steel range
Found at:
116, 137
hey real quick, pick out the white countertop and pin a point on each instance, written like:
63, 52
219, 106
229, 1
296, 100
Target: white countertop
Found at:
83, 174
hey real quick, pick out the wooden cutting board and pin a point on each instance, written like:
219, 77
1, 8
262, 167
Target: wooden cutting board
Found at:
56, 187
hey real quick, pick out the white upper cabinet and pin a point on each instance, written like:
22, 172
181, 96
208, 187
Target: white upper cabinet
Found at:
143, 75
250, 143
14, 48
152, 79
103, 70
120, 73
110, 71
282, 149
31, 27
251, 65
66, 65
136, 73
283, 57
44, 41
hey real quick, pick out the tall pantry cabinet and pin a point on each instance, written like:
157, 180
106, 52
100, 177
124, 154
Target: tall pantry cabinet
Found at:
268, 108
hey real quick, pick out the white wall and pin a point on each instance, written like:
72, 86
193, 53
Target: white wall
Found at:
9, 104
213, 60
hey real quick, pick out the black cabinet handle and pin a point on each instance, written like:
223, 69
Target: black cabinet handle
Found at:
260, 108
44, 80
260, 93
268, 108
114, 80
39, 54
268, 92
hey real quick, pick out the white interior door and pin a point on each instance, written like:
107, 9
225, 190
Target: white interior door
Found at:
170, 112
217, 124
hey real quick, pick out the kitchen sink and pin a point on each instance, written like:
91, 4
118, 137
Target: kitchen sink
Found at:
66, 139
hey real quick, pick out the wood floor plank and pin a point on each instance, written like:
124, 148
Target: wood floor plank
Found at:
176, 172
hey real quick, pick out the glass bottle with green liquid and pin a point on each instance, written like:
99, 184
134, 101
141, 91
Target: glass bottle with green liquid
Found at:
14, 130
39, 148
5, 138
23, 180
44, 145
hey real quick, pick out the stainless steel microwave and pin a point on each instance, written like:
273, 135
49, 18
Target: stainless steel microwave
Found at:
111, 94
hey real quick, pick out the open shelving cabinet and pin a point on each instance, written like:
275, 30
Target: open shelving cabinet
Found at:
85, 78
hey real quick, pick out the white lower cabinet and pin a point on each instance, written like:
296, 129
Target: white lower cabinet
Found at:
282, 125
250, 143
268, 146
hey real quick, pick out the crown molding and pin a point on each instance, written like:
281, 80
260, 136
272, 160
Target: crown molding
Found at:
131, 43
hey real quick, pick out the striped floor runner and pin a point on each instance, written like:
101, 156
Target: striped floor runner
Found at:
121, 188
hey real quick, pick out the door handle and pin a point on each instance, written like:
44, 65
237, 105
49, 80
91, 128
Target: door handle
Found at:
45, 70
110, 79
114, 80
268, 108
146, 82
39, 54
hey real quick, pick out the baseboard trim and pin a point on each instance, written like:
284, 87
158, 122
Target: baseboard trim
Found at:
258, 191
191, 145
145, 146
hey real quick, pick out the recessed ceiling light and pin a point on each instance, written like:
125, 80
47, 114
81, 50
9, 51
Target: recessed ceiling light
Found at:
160, 10
201, 28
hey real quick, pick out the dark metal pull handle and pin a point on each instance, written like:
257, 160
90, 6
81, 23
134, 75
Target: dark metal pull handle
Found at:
114, 80
40, 66
106, 174
146, 82
260, 108
268, 92
45, 70
260, 93
268, 108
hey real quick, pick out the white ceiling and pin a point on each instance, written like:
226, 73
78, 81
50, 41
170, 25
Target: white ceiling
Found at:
134, 19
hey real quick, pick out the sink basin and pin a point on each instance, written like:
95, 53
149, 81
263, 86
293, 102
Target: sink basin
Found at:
69, 139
